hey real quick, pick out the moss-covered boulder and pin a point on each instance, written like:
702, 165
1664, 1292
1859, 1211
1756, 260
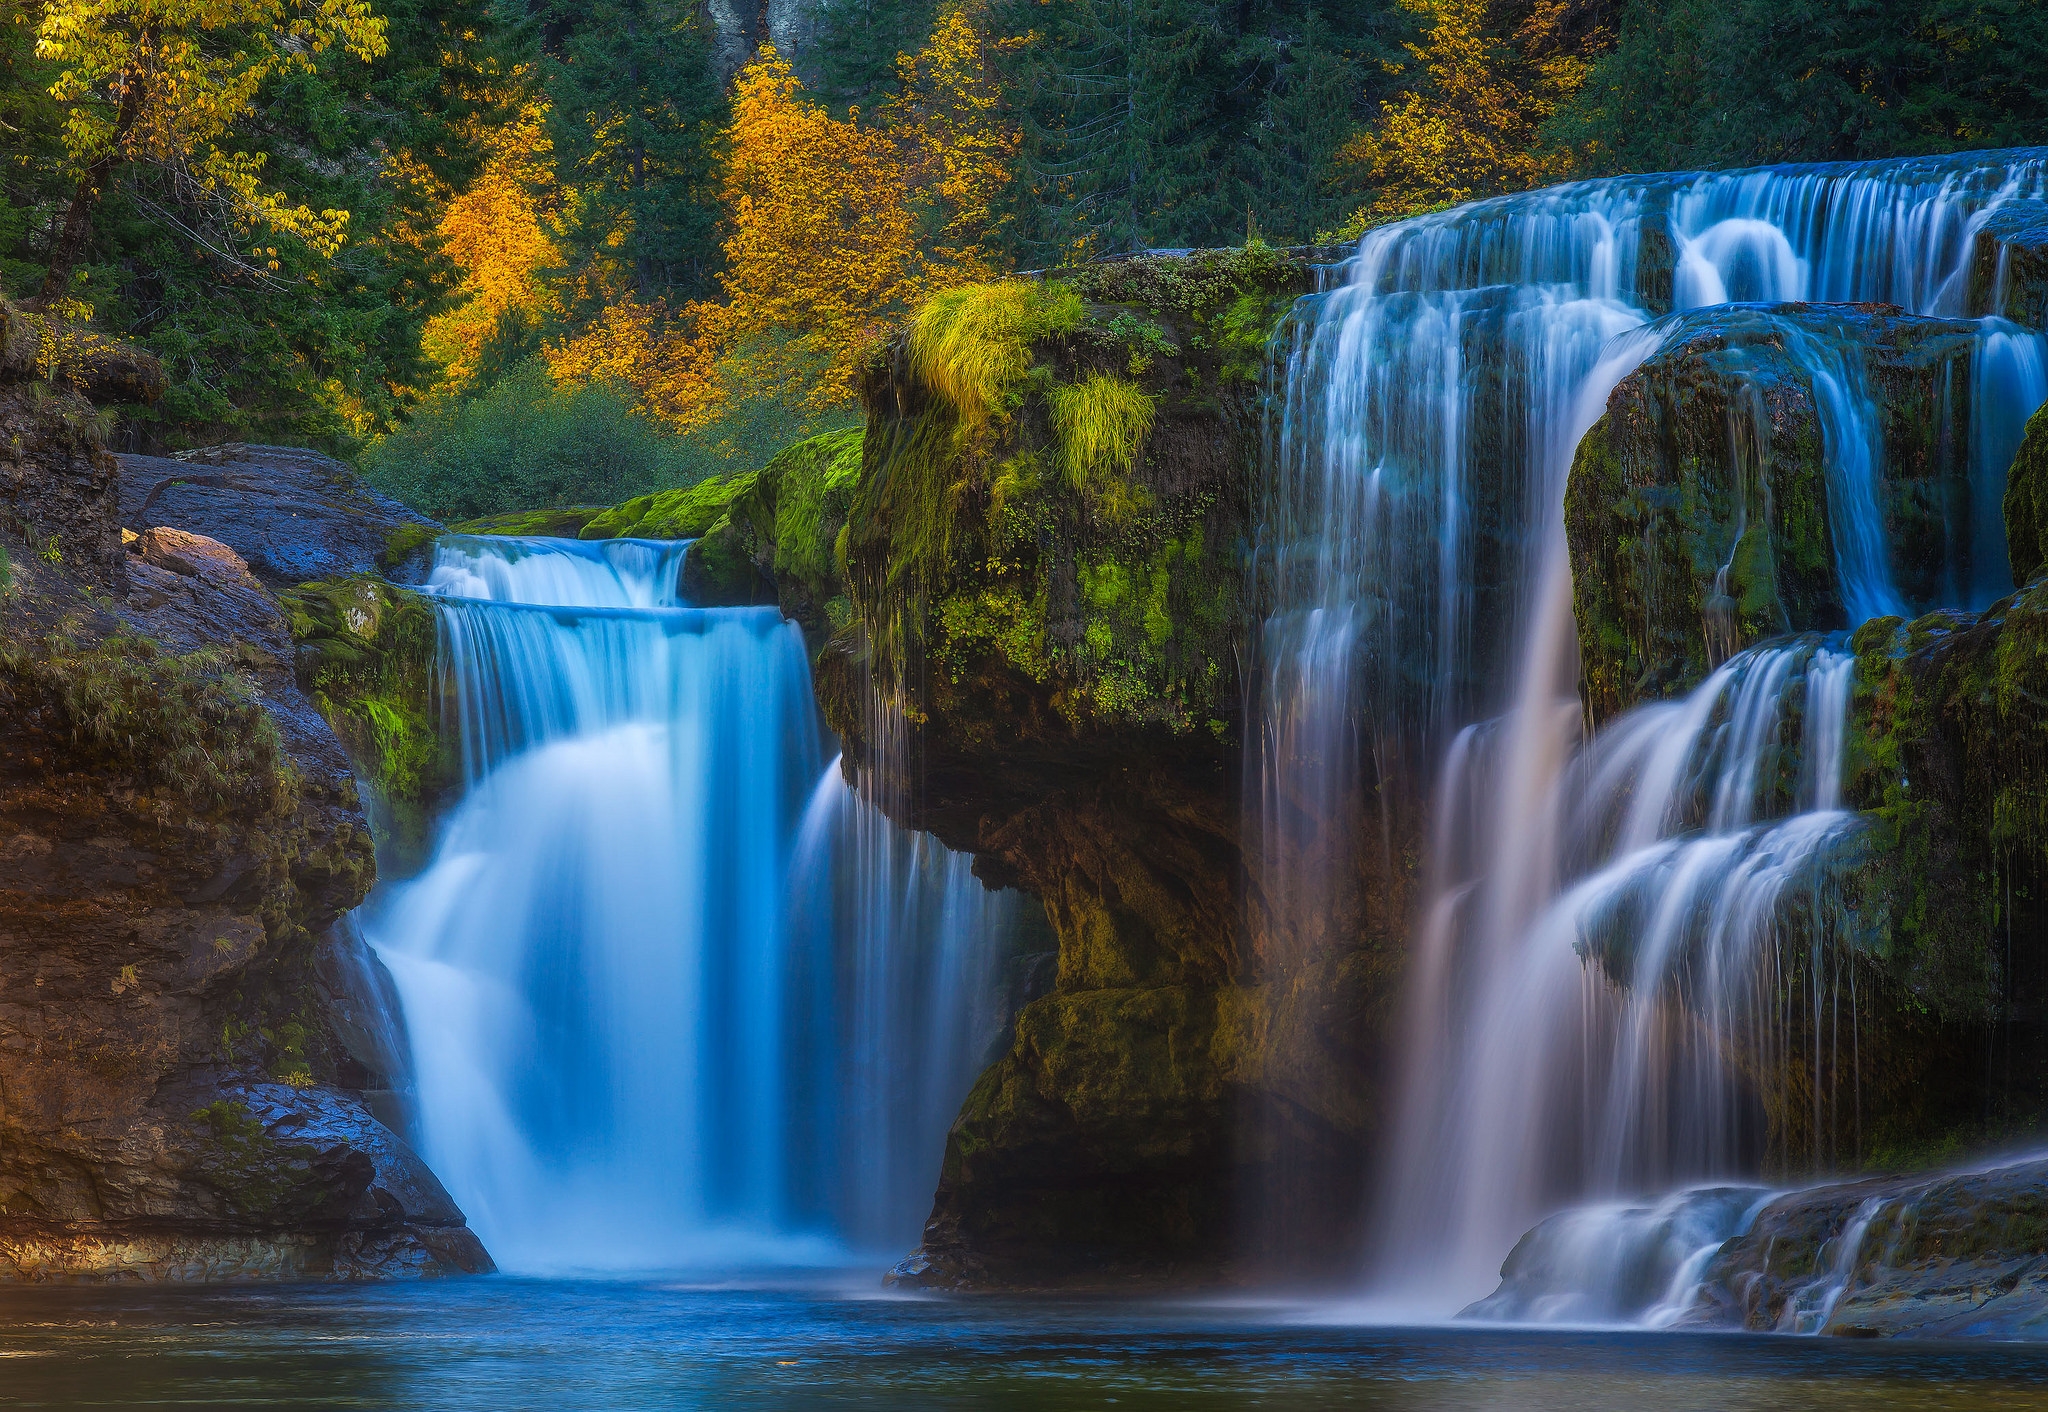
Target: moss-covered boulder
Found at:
2009, 264
1045, 561
1697, 510
2026, 503
366, 657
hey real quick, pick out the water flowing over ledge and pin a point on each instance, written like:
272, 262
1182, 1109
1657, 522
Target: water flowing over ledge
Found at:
666, 976
1598, 967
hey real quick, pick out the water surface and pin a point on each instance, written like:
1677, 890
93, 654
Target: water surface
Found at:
504, 1343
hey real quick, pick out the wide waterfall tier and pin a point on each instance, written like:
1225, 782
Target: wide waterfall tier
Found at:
666, 972
1806, 382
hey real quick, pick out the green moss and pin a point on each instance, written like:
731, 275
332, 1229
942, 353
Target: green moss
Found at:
533, 524
814, 483
2026, 502
187, 725
366, 658
403, 542
688, 513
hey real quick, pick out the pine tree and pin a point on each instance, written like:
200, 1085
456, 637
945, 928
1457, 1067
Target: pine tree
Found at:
635, 115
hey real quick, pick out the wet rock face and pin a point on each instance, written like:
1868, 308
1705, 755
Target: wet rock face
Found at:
1058, 693
188, 1055
2026, 503
1698, 509
2009, 264
293, 515
59, 501
1958, 1255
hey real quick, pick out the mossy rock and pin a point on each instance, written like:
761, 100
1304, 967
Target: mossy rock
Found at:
2009, 264
565, 523
687, 513
2026, 502
366, 658
1057, 488
1697, 508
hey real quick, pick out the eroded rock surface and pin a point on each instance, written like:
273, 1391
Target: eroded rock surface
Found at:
292, 514
188, 1055
1952, 1255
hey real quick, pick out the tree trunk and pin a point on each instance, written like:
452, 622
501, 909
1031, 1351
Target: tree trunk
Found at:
71, 240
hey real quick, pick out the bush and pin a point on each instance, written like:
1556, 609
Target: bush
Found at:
522, 445
527, 444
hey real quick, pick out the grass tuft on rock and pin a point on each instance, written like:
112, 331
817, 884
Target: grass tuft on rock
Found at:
972, 345
1100, 423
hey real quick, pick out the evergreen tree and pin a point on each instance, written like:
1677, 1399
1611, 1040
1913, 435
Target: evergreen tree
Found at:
859, 43
1156, 123
1306, 120
636, 111
1713, 83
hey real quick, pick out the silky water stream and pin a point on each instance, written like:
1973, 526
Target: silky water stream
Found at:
675, 996
1599, 933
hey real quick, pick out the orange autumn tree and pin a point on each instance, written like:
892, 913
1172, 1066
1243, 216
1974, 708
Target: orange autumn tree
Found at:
496, 230
821, 251
835, 229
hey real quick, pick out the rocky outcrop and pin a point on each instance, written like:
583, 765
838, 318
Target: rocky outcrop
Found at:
188, 1057
2008, 273
1699, 524
293, 515
1952, 1255
2026, 503
1698, 507
1044, 563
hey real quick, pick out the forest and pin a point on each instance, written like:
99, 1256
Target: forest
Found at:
505, 255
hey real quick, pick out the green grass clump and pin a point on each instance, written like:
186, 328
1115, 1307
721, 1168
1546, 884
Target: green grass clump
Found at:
972, 345
1100, 423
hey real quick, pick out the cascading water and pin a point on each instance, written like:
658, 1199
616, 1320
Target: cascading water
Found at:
1419, 643
624, 977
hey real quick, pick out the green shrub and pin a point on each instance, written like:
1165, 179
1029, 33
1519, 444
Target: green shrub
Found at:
526, 444
523, 445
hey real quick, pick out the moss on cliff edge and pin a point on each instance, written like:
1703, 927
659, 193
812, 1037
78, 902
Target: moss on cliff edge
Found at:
186, 726
1055, 489
2026, 502
366, 658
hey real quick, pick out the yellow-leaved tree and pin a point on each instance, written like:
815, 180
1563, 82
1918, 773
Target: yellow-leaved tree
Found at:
166, 81
496, 230
820, 252
1469, 128
959, 148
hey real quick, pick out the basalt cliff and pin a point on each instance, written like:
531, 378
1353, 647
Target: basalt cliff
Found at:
197, 1078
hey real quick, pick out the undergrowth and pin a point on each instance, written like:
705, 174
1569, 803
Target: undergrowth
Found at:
185, 726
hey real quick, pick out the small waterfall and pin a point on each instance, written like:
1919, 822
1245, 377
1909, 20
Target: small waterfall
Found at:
923, 982
624, 976
1599, 1055
1418, 657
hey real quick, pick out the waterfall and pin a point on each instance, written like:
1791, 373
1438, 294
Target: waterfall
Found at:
643, 1033
1418, 645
